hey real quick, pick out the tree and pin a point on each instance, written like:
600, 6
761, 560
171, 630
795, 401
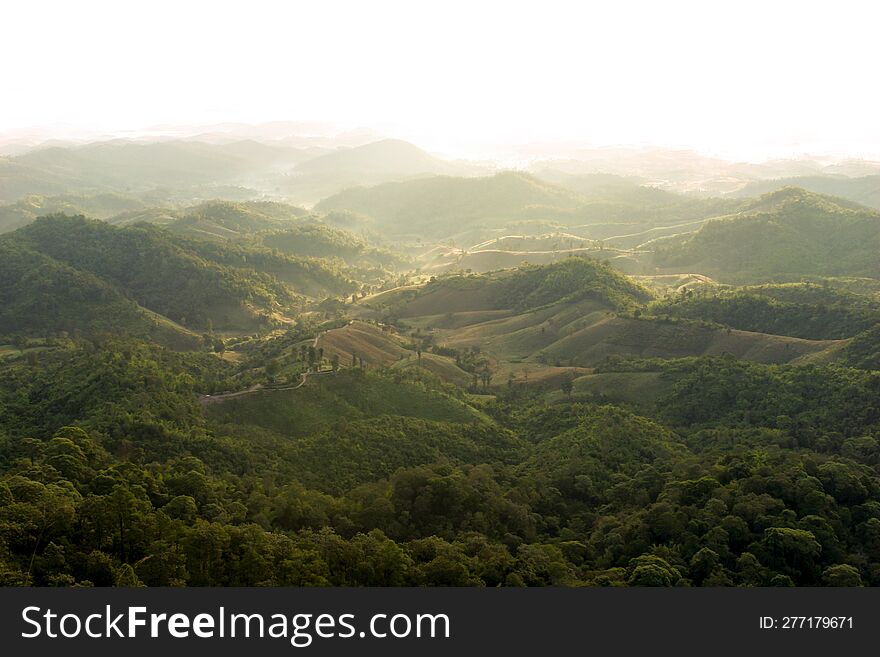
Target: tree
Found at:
567, 386
126, 577
650, 570
272, 368
842, 575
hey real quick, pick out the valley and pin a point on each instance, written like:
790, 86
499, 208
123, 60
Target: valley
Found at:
354, 362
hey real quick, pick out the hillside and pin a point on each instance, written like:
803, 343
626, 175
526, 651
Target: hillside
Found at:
796, 309
862, 189
313, 277
333, 400
784, 235
465, 416
146, 264
120, 165
534, 324
391, 157
40, 296
99, 206
370, 164
631, 201
367, 342
526, 288
229, 220
18, 179
316, 239
443, 206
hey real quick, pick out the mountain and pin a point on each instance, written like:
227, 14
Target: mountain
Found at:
128, 166
610, 187
278, 239
227, 219
786, 234
862, 189
148, 265
312, 277
388, 157
625, 211
99, 206
443, 206
801, 310
18, 179
536, 325
371, 164
619, 211
316, 239
41, 296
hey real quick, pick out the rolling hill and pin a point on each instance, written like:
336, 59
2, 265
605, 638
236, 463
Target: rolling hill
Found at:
801, 310
388, 157
40, 296
860, 189
146, 264
469, 211
371, 164
443, 206
333, 400
536, 324
787, 234
127, 166
99, 206
228, 220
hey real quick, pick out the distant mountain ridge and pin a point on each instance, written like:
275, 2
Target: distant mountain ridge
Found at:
388, 156
862, 189
443, 205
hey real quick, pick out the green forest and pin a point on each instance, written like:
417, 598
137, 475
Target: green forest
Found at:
403, 371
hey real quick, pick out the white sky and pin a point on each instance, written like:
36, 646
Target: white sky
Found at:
740, 77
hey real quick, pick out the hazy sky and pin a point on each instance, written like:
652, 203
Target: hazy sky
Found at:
740, 77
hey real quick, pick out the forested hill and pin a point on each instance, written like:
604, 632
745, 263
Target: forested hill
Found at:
785, 234
740, 474
861, 189
249, 395
226, 219
385, 157
40, 296
440, 206
147, 265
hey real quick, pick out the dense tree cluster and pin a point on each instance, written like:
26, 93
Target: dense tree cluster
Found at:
742, 474
819, 314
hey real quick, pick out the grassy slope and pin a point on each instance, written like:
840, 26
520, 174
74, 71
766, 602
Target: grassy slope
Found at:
329, 400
